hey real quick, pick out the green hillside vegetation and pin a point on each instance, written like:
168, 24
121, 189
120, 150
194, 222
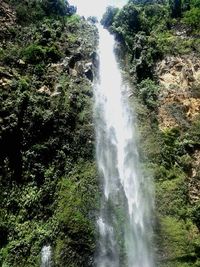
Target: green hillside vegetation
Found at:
48, 186
49, 192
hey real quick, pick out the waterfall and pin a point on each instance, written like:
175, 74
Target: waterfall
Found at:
46, 256
124, 223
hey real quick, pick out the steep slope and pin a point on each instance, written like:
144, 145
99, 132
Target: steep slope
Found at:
48, 186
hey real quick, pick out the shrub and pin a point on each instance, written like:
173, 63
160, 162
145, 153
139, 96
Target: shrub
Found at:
39, 69
29, 12
53, 53
34, 54
196, 214
148, 92
10, 55
192, 17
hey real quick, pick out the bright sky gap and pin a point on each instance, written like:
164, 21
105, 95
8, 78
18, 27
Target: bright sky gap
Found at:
95, 7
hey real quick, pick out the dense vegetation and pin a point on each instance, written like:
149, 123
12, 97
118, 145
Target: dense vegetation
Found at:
48, 186
148, 32
48, 183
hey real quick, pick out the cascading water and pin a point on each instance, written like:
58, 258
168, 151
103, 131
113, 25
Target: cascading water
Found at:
46, 256
125, 218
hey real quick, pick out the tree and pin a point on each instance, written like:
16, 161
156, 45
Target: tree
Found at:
108, 16
128, 19
58, 7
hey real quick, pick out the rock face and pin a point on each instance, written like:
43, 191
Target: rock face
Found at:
179, 105
7, 19
179, 78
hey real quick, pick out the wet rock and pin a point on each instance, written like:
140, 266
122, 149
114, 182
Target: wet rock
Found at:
88, 71
89, 74
95, 59
79, 67
74, 59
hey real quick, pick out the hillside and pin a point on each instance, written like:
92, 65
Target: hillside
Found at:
47, 64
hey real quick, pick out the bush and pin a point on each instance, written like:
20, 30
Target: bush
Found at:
10, 55
29, 11
196, 214
148, 92
33, 10
53, 53
34, 54
192, 18
39, 69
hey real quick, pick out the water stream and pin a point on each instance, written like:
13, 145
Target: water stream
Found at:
124, 223
46, 256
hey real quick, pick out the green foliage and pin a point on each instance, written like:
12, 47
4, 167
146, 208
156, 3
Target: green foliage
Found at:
108, 17
176, 242
78, 196
194, 132
33, 10
58, 7
172, 194
151, 14
73, 20
148, 92
45, 135
39, 69
127, 20
10, 55
195, 3
34, 53
196, 214
192, 17
147, 2
53, 53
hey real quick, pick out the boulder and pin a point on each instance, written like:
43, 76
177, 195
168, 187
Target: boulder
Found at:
44, 90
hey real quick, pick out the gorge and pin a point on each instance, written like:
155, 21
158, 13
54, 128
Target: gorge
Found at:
99, 150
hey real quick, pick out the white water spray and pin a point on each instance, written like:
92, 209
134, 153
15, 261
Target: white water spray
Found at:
46, 256
125, 219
